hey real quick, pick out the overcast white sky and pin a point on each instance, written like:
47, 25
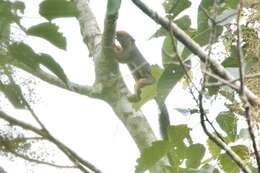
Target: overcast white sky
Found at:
87, 125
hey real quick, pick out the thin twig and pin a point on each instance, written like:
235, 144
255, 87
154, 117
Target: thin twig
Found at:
252, 135
220, 143
219, 84
41, 162
239, 49
213, 33
90, 91
184, 68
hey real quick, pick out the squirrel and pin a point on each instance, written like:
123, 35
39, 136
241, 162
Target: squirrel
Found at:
128, 53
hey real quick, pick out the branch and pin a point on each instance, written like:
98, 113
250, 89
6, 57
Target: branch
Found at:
70, 153
40, 162
219, 142
2, 170
195, 48
88, 26
239, 50
219, 84
74, 156
106, 64
251, 133
91, 91
110, 26
22, 124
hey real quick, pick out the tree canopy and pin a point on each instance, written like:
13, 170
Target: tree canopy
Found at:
215, 61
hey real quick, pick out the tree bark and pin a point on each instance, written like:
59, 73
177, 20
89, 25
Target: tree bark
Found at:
109, 79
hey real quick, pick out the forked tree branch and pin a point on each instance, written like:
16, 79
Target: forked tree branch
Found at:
134, 121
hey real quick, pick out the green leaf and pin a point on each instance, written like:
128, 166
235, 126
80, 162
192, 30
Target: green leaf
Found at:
53, 66
257, 6
242, 151
156, 71
51, 9
6, 18
167, 51
202, 19
149, 92
6, 10
201, 37
250, 63
254, 169
113, 6
19, 5
4, 30
195, 154
232, 4
231, 61
213, 149
175, 6
184, 22
24, 54
228, 122
228, 93
171, 75
48, 31
213, 90
151, 155
178, 133
13, 94
178, 136
159, 33
227, 164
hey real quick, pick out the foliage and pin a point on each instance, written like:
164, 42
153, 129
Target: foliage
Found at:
25, 54
16, 142
185, 156
48, 31
52, 9
180, 149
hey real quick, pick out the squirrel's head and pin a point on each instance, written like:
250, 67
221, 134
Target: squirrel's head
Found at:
124, 38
